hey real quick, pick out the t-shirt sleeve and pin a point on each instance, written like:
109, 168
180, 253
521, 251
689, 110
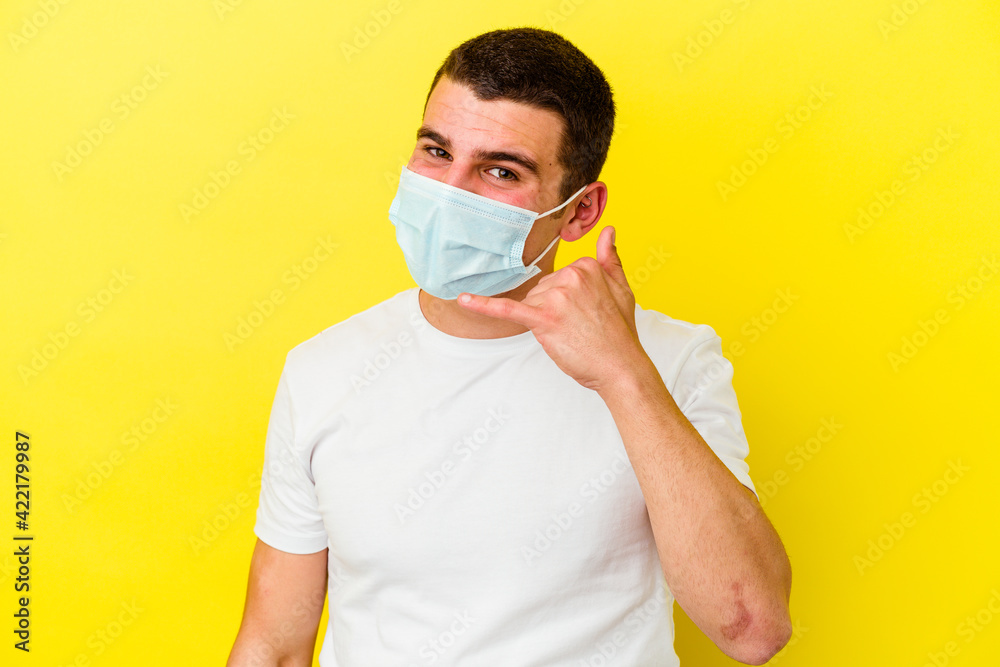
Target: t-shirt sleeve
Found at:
288, 516
707, 398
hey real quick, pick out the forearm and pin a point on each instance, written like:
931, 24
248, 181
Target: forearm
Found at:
253, 649
721, 557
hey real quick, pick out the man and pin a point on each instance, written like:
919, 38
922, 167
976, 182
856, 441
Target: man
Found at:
509, 465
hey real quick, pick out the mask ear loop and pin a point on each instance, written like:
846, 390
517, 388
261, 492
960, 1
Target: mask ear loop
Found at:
544, 252
553, 210
542, 215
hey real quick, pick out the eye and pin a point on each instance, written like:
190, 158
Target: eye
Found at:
502, 174
434, 151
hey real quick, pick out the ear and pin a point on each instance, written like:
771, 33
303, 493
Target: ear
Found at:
585, 213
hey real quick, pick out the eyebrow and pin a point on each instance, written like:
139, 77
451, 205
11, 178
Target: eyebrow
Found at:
500, 156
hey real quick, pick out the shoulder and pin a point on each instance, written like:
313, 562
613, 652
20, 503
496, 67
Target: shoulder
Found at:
668, 338
353, 336
684, 353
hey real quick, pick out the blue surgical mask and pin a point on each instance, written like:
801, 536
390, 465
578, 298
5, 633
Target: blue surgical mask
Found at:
456, 241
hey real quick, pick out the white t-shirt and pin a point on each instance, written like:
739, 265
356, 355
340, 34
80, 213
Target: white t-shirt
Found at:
478, 503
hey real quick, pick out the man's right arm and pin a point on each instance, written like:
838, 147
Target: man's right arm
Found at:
285, 595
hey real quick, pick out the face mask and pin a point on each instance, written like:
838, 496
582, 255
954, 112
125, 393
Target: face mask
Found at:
456, 241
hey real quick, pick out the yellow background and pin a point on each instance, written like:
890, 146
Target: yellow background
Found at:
700, 92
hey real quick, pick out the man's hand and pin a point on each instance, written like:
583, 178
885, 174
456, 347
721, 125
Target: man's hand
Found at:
583, 315
721, 557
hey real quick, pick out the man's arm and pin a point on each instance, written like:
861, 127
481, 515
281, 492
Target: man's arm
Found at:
721, 557
284, 603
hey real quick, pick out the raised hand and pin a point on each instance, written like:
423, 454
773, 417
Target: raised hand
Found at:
583, 315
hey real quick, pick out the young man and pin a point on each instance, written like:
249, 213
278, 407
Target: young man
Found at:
509, 465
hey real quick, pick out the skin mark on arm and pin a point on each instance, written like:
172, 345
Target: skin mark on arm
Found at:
739, 625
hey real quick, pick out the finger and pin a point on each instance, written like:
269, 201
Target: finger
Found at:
557, 277
607, 256
500, 307
537, 295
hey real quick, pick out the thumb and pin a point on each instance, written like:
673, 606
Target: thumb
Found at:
607, 255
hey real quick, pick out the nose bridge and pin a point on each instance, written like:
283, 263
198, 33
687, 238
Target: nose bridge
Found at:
460, 174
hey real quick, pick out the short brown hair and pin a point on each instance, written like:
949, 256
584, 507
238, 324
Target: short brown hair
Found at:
542, 69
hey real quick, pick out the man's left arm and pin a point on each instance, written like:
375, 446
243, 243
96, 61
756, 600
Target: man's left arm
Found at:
721, 557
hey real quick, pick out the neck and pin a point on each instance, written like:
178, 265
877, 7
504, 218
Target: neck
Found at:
451, 318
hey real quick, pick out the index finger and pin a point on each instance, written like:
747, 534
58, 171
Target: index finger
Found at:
501, 308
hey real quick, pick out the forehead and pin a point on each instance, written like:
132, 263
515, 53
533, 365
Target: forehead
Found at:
454, 111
